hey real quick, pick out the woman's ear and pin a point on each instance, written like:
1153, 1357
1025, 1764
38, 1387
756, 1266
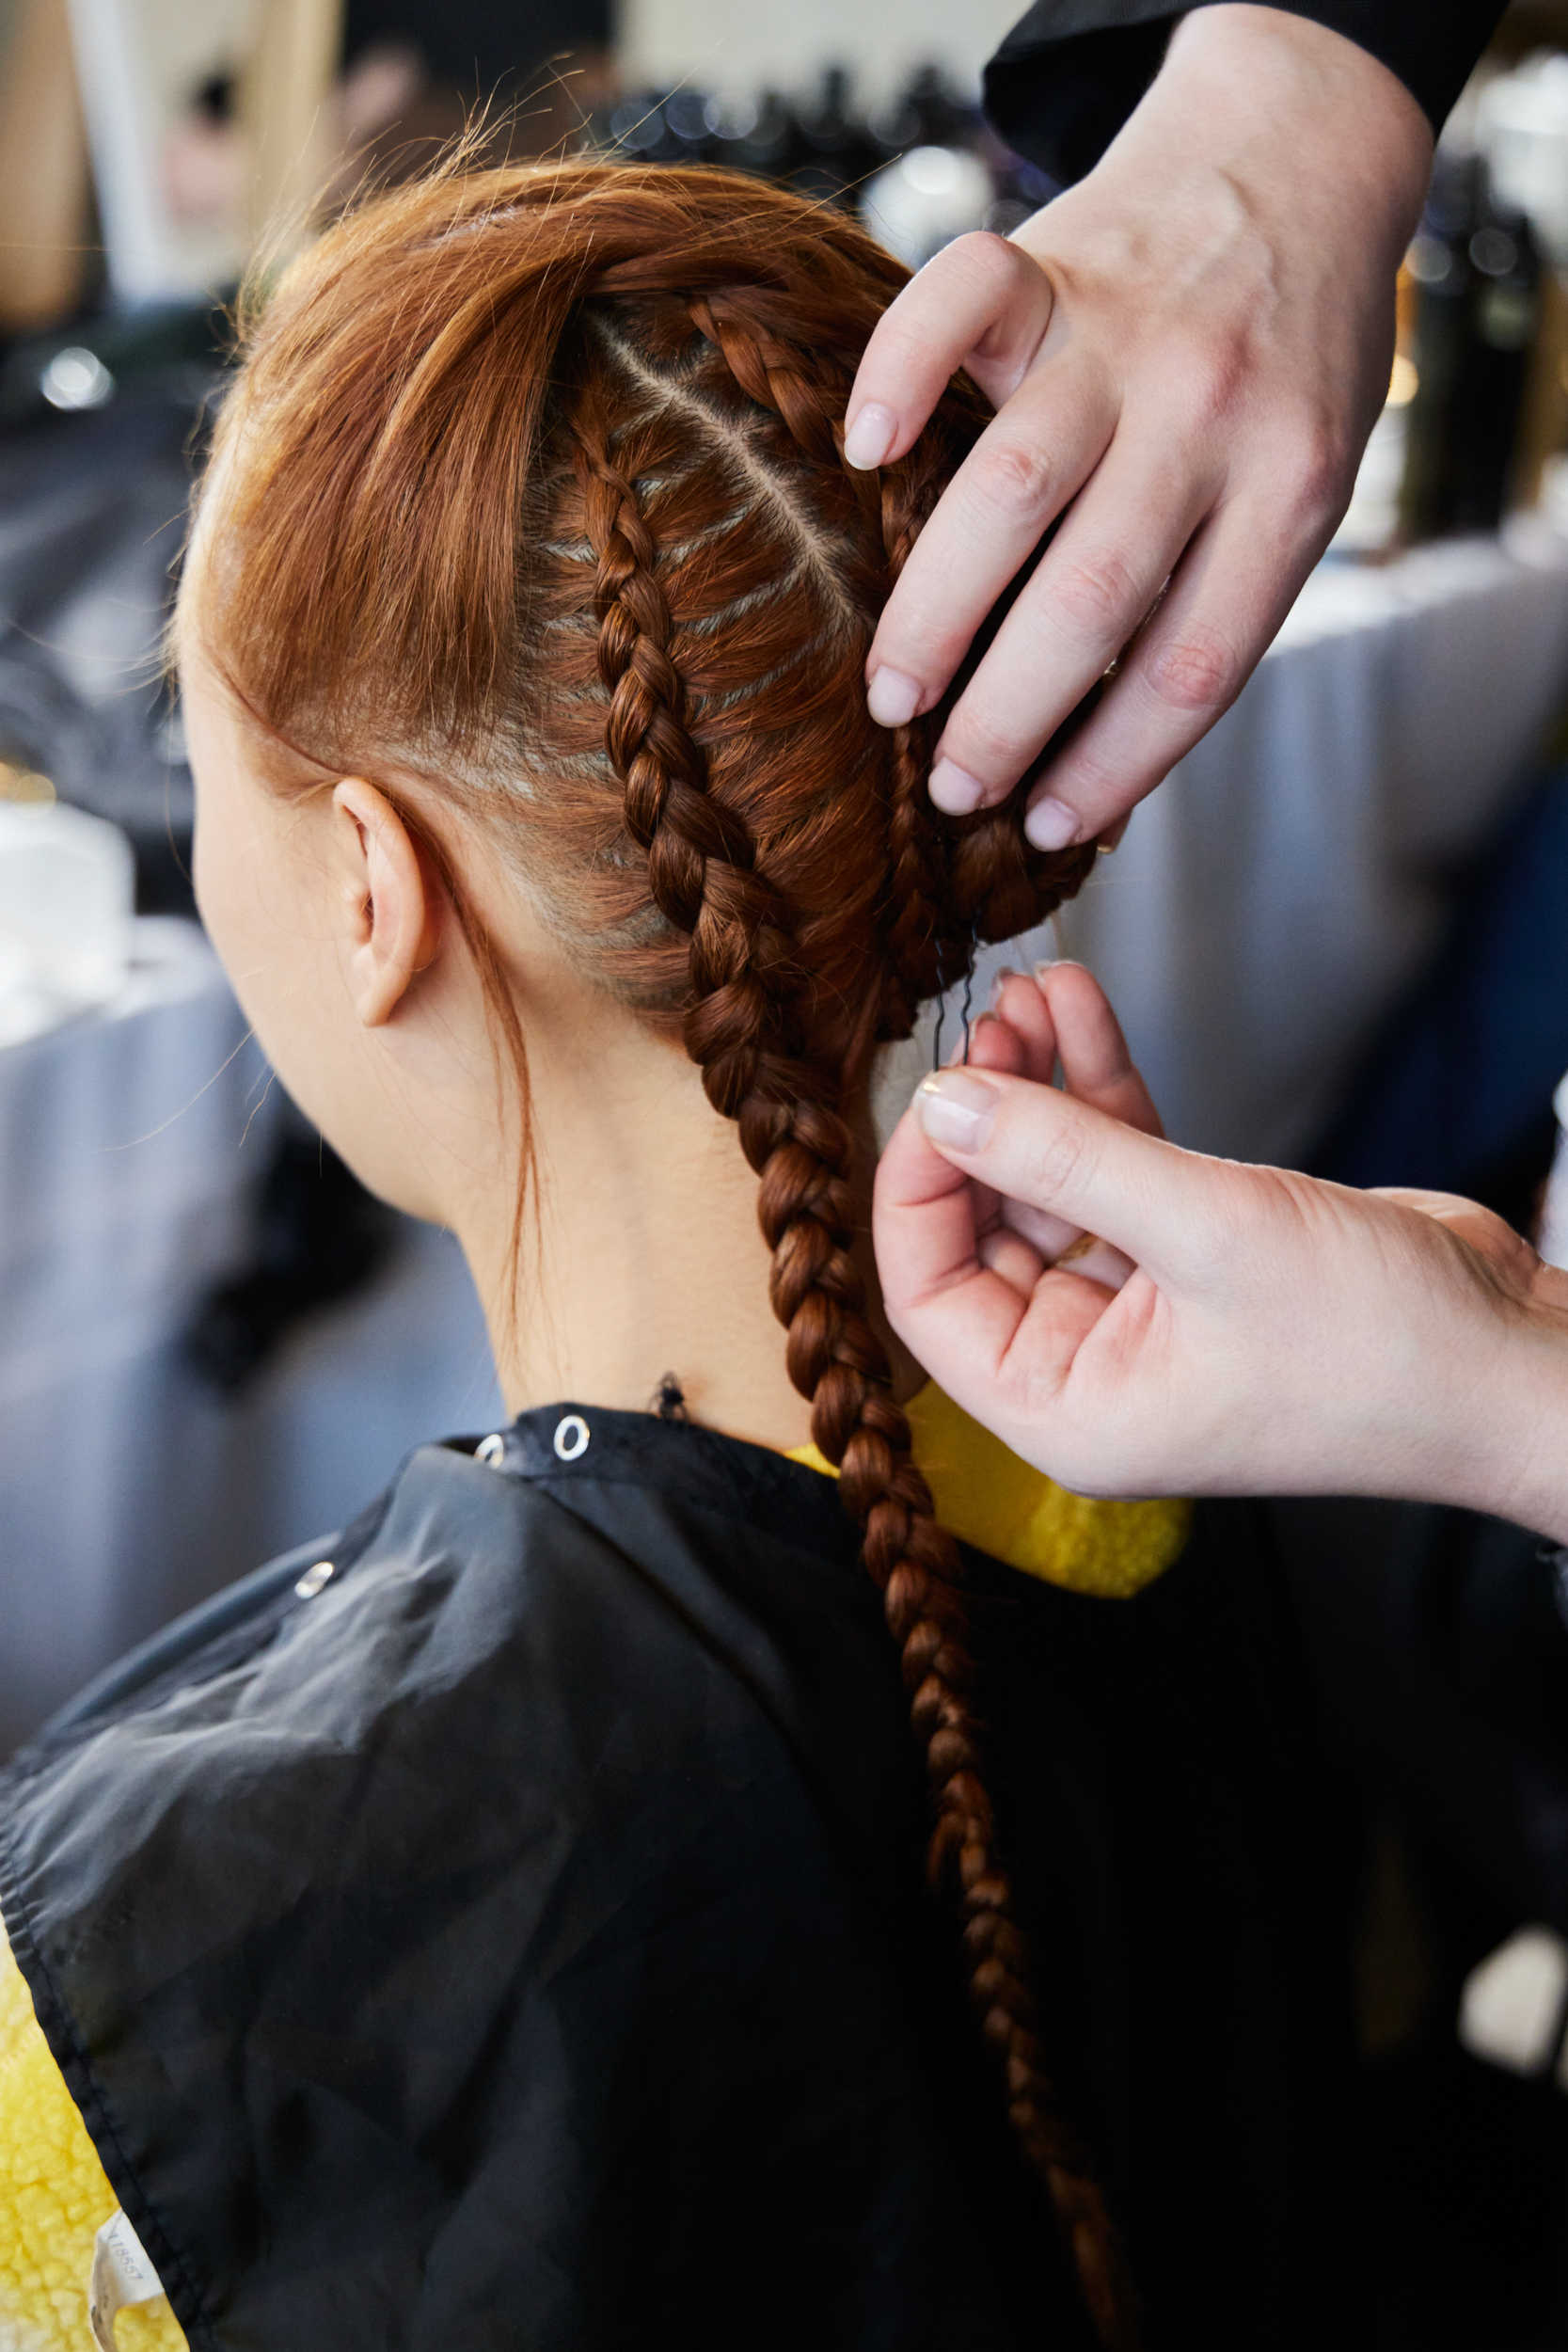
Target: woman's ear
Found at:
391, 900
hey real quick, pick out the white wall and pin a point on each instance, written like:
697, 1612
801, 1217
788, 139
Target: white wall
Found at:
720, 44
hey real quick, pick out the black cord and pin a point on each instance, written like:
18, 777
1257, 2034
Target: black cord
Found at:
969, 999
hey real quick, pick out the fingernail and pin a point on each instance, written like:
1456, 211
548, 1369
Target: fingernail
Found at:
870, 436
954, 791
1000, 982
1051, 824
957, 1108
892, 698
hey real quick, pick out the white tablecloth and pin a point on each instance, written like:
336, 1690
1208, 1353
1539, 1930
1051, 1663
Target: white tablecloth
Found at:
131, 1145
1274, 897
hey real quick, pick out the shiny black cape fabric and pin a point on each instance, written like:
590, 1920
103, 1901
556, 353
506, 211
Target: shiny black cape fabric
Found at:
522, 1942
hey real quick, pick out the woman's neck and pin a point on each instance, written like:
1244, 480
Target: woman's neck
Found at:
641, 1252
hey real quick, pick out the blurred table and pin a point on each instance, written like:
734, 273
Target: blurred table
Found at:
1271, 902
132, 1144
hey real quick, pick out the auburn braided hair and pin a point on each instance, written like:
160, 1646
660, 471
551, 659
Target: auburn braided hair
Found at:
532, 484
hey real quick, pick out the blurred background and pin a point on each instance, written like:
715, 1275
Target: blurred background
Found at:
1339, 937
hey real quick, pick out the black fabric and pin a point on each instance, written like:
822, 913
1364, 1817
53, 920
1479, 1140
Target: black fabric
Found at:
480, 46
1439, 1653
523, 1942
1070, 73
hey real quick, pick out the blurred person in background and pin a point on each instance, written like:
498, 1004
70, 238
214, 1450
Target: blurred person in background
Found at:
1186, 353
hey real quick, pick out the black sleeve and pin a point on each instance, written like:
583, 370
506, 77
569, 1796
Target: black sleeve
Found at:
1070, 73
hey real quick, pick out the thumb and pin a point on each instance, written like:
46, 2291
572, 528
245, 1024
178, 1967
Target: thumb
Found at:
1158, 1204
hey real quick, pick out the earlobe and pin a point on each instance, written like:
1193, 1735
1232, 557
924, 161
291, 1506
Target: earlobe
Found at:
391, 903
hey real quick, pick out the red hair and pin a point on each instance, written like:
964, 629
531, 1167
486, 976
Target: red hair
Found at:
532, 484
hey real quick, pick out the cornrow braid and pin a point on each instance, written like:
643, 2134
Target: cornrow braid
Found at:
741, 1027
702, 868
950, 886
810, 395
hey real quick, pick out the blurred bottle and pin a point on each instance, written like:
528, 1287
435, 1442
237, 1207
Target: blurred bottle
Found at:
1371, 526
772, 145
838, 154
638, 129
732, 119
1476, 271
927, 112
686, 121
1522, 130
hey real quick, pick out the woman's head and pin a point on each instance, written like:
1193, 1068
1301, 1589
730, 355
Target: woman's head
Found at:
531, 492
528, 512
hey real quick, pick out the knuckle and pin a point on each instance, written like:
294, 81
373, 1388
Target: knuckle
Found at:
1016, 478
1195, 670
1214, 374
980, 741
985, 257
1317, 475
1052, 1153
1037, 1389
920, 642
898, 355
1097, 596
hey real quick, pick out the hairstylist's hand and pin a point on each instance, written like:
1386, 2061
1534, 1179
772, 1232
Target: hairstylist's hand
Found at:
1188, 350
1235, 1329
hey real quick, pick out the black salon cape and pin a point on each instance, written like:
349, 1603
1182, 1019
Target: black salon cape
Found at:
522, 1941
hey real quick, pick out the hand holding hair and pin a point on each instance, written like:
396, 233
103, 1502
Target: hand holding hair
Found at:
1231, 1330
1186, 353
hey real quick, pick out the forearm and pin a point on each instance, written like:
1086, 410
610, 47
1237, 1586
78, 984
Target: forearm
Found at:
1357, 139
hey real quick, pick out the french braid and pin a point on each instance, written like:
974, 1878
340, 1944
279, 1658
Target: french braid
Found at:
533, 487
743, 1030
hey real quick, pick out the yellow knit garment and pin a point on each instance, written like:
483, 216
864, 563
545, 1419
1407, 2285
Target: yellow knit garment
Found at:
53, 2198
987, 1498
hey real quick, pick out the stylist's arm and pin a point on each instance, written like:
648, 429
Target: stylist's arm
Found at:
1234, 1330
1186, 353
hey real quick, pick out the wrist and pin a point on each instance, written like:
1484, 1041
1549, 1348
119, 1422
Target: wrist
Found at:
1330, 121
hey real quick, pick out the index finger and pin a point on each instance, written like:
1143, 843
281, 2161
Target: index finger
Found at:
928, 1256
980, 302
1168, 1210
1096, 1063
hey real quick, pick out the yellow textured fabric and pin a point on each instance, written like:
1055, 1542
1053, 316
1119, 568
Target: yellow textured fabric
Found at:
54, 2199
991, 1499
